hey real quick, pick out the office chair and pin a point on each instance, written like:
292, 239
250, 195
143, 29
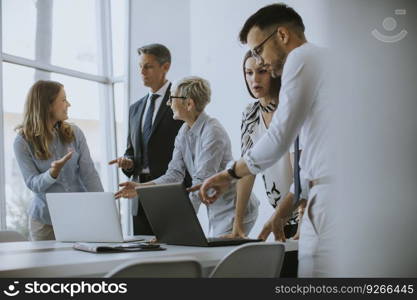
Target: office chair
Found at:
180, 267
11, 236
252, 260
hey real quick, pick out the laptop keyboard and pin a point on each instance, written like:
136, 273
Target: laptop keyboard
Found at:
220, 239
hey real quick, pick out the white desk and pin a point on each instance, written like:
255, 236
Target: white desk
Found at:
56, 259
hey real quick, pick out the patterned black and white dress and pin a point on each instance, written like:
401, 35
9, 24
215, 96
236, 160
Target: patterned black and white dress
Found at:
278, 178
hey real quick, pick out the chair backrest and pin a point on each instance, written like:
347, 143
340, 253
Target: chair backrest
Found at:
11, 236
180, 267
253, 260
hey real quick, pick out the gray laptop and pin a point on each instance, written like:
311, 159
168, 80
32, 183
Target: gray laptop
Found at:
86, 217
173, 219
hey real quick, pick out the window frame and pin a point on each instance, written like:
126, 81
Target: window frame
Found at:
107, 80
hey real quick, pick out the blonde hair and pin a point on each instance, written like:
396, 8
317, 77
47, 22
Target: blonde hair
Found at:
37, 117
195, 88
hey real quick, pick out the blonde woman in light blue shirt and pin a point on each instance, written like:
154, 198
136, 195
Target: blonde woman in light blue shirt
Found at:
203, 148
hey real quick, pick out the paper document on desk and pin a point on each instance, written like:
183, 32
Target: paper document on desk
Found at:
117, 247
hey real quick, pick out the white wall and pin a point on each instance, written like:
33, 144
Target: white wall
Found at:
165, 22
375, 119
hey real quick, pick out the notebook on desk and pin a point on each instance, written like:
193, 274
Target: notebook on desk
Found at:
86, 217
117, 247
173, 219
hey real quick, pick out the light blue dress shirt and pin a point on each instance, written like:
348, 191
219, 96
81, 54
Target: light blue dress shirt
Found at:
77, 175
203, 150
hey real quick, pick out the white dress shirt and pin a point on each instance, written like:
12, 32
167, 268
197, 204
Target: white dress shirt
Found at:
161, 92
303, 104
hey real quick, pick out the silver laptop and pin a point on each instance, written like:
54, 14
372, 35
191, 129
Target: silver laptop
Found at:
86, 217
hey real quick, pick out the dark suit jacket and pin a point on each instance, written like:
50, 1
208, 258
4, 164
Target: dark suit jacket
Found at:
160, 148
161, 142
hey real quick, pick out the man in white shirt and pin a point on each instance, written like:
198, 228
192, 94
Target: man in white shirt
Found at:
275, 35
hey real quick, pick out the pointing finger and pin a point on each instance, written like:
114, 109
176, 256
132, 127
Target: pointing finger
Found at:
113, 161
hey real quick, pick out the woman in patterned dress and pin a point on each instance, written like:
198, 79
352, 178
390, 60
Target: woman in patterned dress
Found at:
255, 122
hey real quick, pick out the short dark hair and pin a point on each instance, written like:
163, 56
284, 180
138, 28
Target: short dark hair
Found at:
274, 14
275, 84
161, 52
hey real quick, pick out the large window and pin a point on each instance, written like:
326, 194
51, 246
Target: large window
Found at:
80, 43
19, 27
75, 35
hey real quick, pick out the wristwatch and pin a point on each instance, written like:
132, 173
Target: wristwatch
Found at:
231, 171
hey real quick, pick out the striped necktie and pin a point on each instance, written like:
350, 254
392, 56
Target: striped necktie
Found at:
147, 128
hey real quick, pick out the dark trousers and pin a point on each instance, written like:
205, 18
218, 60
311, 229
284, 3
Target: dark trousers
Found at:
290, 264
141, 224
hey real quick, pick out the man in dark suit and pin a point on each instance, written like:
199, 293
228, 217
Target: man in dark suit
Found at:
152, 129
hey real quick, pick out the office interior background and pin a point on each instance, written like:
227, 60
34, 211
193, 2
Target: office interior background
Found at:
90, 46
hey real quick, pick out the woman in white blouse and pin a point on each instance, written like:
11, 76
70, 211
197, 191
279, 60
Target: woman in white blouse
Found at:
255, 122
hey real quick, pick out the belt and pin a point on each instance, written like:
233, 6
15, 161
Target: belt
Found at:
145, 177
321, 180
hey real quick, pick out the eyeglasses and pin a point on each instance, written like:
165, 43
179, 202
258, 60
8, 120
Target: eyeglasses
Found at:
175, 97
256, 52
